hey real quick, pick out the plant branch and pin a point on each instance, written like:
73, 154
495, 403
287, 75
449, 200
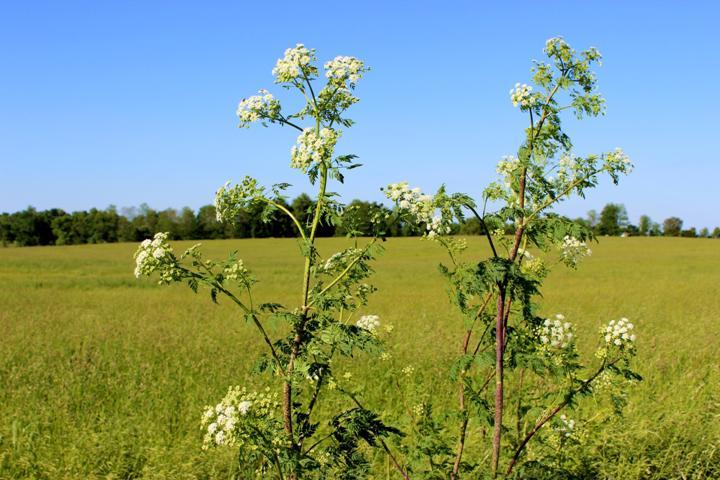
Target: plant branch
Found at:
568, 398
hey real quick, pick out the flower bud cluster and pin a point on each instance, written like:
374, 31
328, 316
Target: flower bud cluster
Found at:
369, 323
522, 95
573, 250
290, 67
254, 108
420, 206
236, 271
557, 47
156, 255
340, 259
556, 333
229, 201
313, 148
507, 167
342, 68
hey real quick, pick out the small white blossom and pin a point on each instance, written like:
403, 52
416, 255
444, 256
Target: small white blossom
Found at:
618, 161
221, 422
573, 250
343, 68
566, 426
313, 149
369, 323
620, 333
291, 66
257, 107
556, 333
156, 255
230, 201
420, 206
522, 95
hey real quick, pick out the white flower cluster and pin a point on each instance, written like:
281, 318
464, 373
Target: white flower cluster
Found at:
618, 161
155, 255
558, 47
507, 165
566, 427
522, 95
619, 333
369, 323
556, 333
230, 200
236, 271
343, 68
221, 422
254, 108
291, 66
340, 259
313, 149
566, 167
418, 205
573, 250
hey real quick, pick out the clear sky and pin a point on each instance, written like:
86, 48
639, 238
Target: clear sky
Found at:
128, 102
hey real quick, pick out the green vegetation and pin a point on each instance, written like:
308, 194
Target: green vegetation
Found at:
31, 227
105, 376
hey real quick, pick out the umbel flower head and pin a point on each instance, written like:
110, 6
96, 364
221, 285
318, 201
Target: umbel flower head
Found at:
295, 64
344, 69
618, 336
156, 255
257, 107
230, 201
369, 323
522, 95
556, 333
312, 148
573, 250
420, 206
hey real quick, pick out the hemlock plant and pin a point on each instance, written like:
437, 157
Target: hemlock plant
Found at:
518, 373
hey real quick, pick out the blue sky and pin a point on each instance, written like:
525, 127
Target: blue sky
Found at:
128, 102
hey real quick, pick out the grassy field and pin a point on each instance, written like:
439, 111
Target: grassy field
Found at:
105, 376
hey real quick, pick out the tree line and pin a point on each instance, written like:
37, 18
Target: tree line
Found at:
613, 220
56, 227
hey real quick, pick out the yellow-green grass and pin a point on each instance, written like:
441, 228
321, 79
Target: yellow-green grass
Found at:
105, 376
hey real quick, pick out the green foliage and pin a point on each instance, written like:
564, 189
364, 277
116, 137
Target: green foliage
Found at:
613, 219
534, 361
105, 376
672, 227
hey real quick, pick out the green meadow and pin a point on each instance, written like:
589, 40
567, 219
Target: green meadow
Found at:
105, 376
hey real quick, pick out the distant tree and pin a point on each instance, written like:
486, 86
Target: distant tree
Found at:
302, 208
187, 224
208, 226
6, 236
716, 232
690, 233
645, 225
631, 230
672, 227
704, 233
168, 221
655, 230
592, 219
613, 219
583, 221
471, 226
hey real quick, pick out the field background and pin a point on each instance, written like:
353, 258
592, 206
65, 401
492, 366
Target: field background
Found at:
105, 376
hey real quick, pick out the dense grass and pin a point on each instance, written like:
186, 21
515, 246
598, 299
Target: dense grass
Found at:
104, 376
